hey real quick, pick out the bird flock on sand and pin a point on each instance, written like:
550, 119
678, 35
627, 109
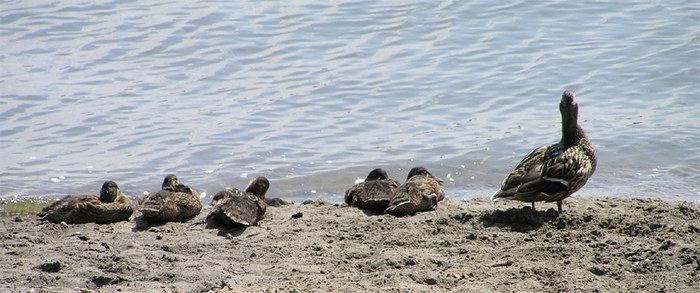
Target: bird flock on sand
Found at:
549, 173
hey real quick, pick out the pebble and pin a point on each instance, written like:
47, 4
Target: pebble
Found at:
51, 267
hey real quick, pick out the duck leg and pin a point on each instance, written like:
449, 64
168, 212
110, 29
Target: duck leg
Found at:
533, 206
559, 203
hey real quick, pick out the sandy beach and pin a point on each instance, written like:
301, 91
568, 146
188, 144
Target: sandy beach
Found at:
595, 245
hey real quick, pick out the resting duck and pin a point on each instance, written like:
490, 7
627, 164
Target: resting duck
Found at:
420, 193
374, 194
233, 207
553, 172
110, 206
174, 202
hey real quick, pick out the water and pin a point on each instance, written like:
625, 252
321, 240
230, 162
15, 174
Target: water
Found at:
314, 95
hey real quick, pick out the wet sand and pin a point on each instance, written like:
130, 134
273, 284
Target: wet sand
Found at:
595, 245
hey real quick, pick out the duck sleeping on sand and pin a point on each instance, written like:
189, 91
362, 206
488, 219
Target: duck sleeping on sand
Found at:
233, 207
108, 207
420, 193
374, 194
174, 202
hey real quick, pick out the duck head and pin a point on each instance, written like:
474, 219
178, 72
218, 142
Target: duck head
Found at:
258, 186
109, 191
422, 171
377, 174
170, 182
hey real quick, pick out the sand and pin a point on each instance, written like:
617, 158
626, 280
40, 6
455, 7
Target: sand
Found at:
595, 245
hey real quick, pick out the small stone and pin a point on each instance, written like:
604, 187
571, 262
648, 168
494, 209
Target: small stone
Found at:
598, 271
275, 202
297, 215
51, 267
666, 245
166, 248
409, 262
159, 236
501, 264
430, 281
18, 220
105, 280
654, 226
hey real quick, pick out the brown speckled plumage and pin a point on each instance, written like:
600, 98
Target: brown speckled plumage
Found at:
553, 172
420, 193
109, 207
233, 207
174, 202
374, 194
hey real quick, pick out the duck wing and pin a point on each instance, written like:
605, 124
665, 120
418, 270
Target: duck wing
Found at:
103, 213
160, 206
63, 209
566, 172
87, 208
354, 193
523, 181
378, 194
188, 203
237, 208
414, 196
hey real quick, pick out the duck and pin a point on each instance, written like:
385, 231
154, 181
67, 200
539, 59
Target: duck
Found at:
553, 172
421, 192
108, 207
233, 207
174, 202
374, 194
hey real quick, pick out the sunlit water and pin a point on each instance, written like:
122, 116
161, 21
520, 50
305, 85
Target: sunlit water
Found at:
313, 95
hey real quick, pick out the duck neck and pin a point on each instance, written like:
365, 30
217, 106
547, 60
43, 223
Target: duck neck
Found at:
570, 131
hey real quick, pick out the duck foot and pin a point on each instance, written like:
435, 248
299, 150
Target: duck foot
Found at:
559, 203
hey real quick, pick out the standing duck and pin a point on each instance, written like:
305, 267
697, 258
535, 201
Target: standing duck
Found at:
374, 194
174, 202
553, 172
420, 193
233, 207
108, 207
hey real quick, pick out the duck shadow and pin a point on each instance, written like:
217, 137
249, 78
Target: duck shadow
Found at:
371, 213
518, 219
143, 224
224, 230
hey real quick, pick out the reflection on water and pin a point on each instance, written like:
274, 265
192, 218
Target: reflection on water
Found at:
314, 95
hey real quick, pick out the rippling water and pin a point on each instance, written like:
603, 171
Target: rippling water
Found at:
314, 95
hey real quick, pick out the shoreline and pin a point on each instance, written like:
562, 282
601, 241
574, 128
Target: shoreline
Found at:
596, 244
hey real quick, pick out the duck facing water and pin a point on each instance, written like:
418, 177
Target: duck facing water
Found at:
108, 207
174, 202
233, 207
374, 194
553, 172
420, 193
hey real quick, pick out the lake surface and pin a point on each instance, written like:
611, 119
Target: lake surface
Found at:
313, 95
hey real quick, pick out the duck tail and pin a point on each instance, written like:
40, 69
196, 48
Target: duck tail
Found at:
501, 195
